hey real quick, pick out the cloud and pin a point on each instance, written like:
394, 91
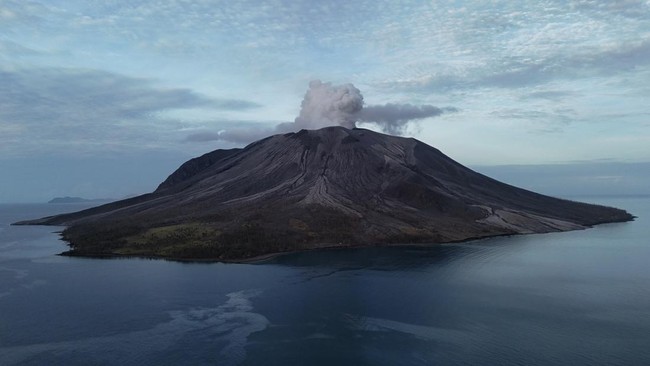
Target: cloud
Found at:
9, 50
628, 8
605, 61
21, 11
73, 96
64, 106
233, 104
240, 135
326, 105
552, 95
619, 57
393, 118
539, 121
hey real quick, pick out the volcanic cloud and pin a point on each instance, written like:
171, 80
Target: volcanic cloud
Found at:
326, 105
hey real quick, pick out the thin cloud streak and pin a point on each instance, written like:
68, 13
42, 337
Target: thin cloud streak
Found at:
394, 118
238, 135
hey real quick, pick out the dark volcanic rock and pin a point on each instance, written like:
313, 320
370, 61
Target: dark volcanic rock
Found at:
193, 167
315, 188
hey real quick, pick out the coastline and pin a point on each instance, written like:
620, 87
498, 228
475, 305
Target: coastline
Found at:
263, 258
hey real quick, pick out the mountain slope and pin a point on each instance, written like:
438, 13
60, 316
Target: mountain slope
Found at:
314, 188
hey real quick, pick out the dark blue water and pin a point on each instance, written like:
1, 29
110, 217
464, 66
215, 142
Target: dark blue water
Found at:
579, 298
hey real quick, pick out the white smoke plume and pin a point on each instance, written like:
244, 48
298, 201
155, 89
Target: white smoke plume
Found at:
329, 105
326, 105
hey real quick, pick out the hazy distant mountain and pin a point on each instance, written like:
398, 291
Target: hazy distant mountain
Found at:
68, 199
318, 188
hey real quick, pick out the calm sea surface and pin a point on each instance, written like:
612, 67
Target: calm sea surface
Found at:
576, 298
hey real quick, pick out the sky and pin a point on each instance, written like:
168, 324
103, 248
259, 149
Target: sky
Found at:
106, 98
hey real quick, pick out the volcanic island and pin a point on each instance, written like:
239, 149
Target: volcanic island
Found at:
331, 187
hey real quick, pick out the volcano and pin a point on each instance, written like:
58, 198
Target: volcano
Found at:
333, 187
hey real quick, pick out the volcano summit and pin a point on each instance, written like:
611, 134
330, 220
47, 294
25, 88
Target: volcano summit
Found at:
317, 188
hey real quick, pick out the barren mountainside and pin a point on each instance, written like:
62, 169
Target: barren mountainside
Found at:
316, 188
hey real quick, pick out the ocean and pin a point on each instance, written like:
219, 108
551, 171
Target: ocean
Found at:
578, 298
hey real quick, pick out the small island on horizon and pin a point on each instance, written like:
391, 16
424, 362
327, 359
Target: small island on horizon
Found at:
332, 187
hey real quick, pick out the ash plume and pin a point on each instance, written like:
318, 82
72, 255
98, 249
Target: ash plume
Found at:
326, 105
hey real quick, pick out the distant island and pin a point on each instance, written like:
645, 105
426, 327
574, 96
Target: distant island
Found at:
333, 187
68, 199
